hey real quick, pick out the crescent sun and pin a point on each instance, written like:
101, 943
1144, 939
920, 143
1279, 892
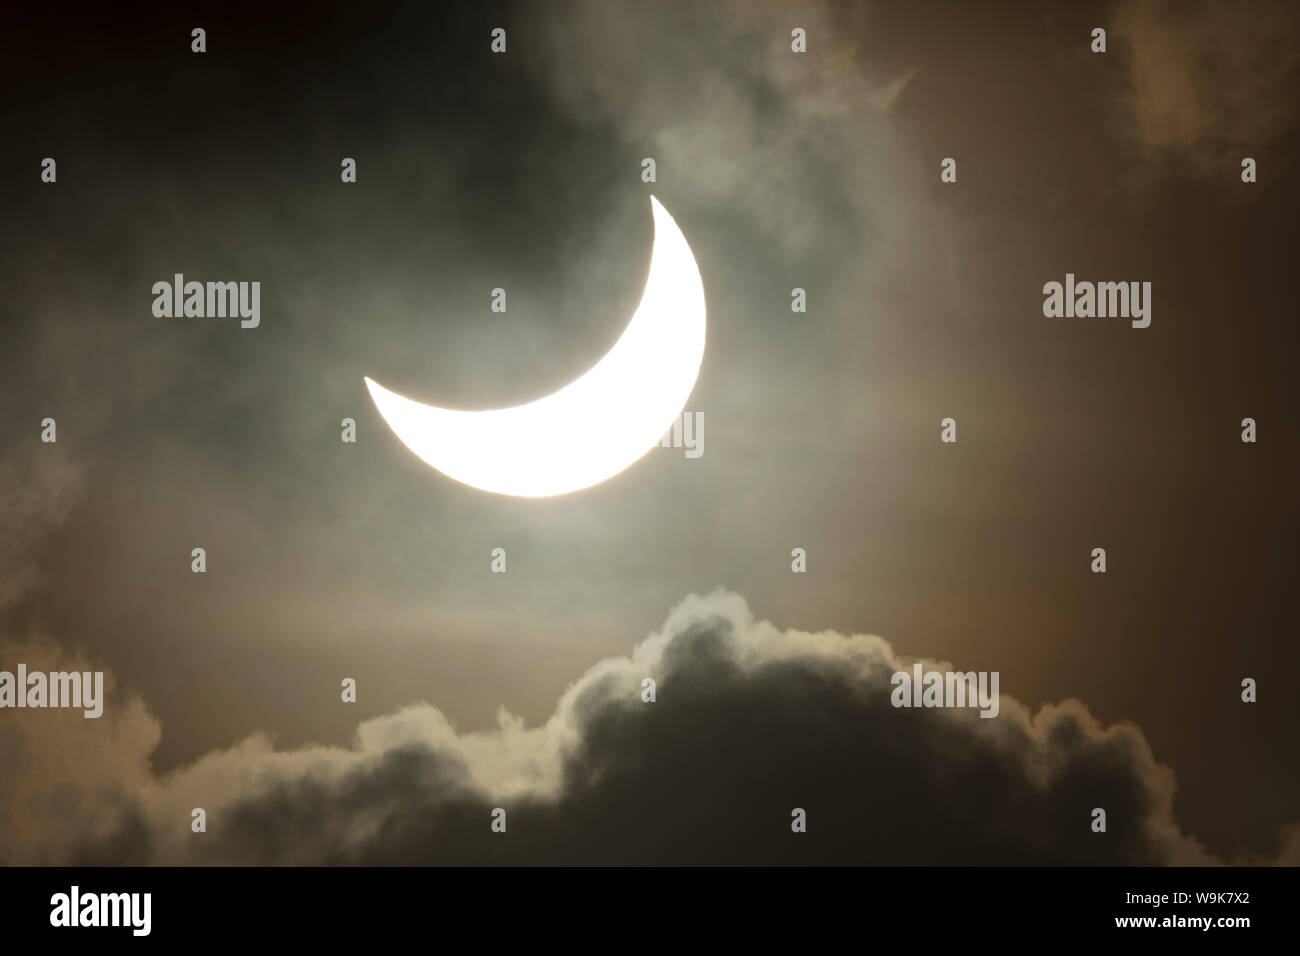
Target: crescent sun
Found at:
597, 425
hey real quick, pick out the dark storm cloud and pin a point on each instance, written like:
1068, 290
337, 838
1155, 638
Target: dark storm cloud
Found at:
750, 723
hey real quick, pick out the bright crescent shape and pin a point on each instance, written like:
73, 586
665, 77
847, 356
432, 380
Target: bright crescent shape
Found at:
597, 425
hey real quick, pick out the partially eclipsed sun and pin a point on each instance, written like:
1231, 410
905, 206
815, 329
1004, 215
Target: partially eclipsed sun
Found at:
597, 425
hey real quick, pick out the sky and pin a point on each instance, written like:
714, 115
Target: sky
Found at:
522, 170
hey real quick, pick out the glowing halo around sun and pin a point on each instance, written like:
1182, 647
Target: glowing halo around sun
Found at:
597, 425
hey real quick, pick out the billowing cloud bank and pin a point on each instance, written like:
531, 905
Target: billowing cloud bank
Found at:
750, 722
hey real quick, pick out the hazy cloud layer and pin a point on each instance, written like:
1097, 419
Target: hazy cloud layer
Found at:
39, 484
1213, 82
